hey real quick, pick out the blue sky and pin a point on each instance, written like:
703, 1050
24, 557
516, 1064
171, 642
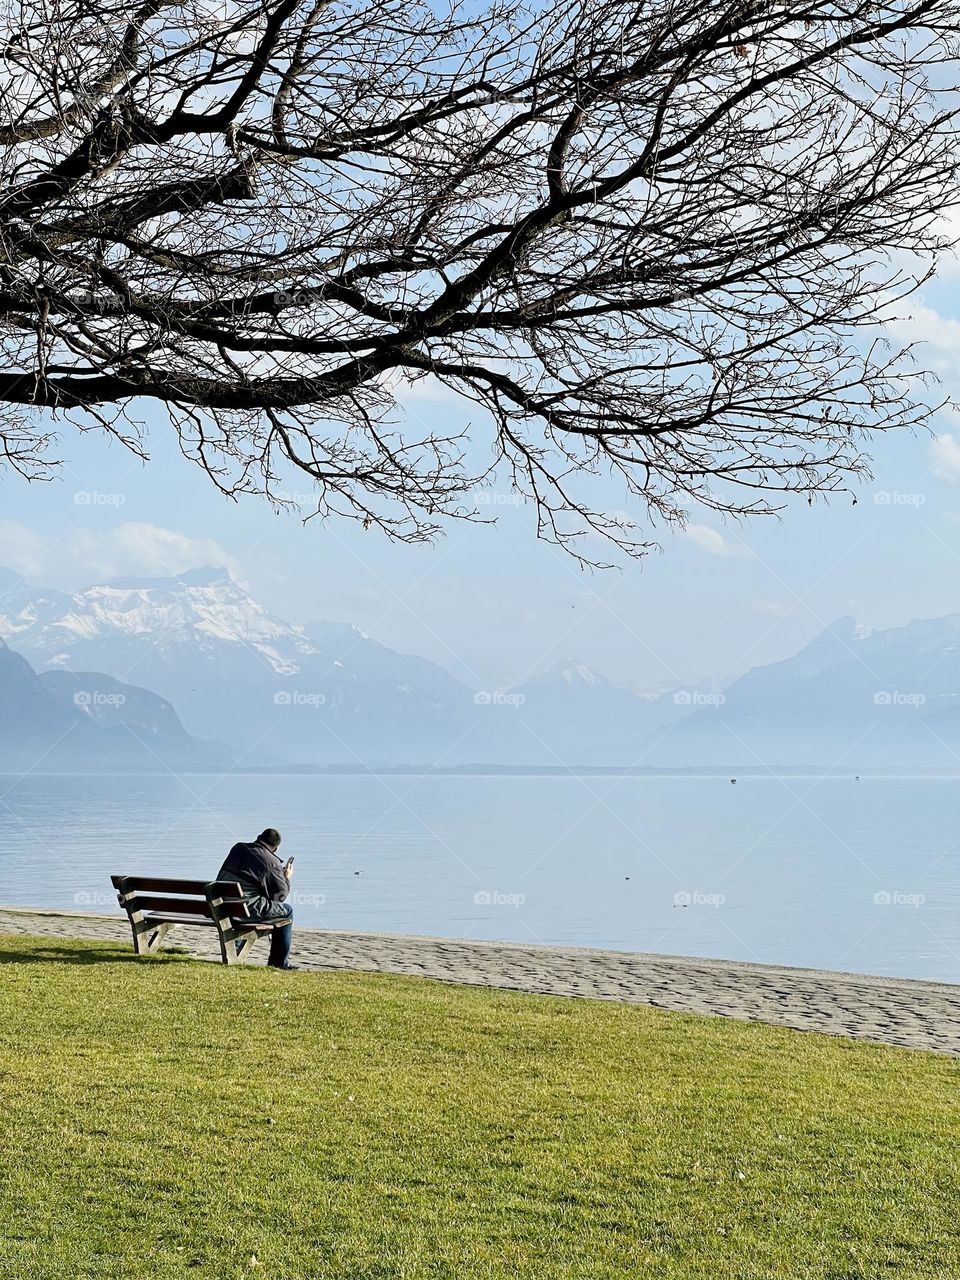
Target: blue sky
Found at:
495, 605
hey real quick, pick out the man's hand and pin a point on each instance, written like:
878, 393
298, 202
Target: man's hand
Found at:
288, 868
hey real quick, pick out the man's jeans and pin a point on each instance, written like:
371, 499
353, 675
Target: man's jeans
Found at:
262, 909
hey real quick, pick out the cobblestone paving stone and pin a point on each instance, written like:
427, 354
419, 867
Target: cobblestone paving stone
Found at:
919, 1015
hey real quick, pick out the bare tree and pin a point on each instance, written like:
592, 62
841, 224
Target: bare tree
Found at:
652, 237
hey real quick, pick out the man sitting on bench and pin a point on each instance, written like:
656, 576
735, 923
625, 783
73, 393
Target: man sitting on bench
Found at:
265, 883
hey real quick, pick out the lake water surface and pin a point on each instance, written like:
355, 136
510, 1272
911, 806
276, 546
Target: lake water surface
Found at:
833, 873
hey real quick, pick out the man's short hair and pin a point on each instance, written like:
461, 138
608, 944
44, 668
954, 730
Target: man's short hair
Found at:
270, 837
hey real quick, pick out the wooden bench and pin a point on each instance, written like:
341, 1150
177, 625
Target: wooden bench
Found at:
156, 906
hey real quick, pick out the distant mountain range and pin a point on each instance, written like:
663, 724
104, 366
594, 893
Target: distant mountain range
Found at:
233, 672
851, 697
63, 720
320, 694
171, 669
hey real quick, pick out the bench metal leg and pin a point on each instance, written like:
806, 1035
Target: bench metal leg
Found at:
236, 944
147, 937
245, 944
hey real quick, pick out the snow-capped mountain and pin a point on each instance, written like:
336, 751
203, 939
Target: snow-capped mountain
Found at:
218, 666
202, 610
234, 672
320, 694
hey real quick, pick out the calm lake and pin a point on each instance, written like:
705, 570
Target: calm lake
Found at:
861, 876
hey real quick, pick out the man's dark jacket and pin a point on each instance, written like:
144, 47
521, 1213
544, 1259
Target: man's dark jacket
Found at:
259, 871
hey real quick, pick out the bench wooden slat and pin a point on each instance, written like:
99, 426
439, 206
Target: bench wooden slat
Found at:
175, 917
196, 888
161, 902
178, 917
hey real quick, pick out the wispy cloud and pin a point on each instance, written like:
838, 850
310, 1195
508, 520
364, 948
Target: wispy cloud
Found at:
938, 334
712, 541
945, 457
79, 555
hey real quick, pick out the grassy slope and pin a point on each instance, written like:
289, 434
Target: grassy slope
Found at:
426, 1131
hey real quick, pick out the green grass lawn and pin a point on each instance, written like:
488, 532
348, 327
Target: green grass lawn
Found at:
167, 1117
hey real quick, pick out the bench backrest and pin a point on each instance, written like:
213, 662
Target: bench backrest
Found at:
212, 899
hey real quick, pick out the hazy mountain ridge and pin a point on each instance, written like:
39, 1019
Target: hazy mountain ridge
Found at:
324, 693
877, 698
85, 720
222, 667
233, 671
